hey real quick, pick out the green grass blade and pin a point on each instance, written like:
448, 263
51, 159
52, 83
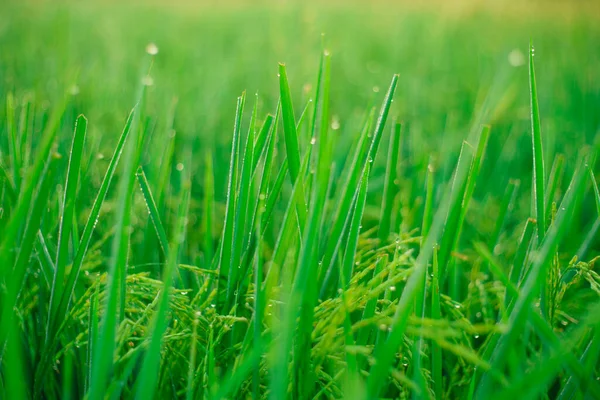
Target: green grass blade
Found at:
208, 206
241, 214
596, 191
355, 226
389, 189
153, 211
224, 260
291, 141
289, 125
67, 212
117, 271
538, 155
554, 181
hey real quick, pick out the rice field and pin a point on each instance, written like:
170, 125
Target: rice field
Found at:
299, 200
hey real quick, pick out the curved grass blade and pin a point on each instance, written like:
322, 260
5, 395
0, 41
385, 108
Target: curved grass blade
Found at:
153, 211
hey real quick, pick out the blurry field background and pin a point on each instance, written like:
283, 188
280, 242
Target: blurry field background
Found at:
460, 64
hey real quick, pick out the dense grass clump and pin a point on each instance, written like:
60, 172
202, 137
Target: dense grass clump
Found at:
418, 221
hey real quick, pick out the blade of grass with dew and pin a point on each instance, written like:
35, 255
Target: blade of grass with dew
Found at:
67, 211
148, 377
224, 260
261, 207
153, 211
285, 106
538, 155
355, 226
260, 147
267, 147
537, 273
241, 213
389, 188
291, 141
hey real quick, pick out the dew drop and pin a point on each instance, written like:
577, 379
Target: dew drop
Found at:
147, 80
152, 49
74, 90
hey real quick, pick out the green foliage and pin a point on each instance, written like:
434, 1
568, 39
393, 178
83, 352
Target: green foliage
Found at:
311, 246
